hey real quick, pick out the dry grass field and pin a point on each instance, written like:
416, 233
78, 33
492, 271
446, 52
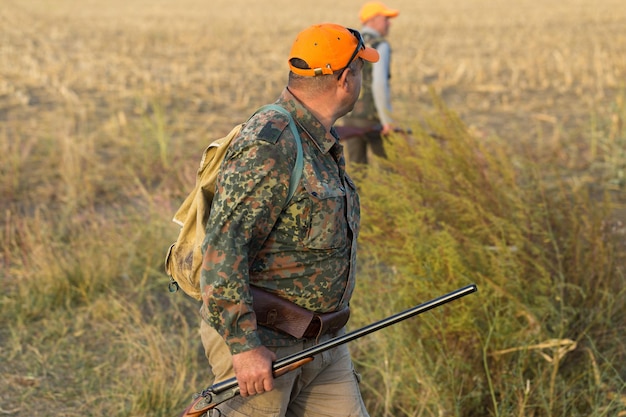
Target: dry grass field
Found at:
106, 105
504, 66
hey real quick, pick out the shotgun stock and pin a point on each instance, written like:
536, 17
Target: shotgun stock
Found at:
347, 132
227, 389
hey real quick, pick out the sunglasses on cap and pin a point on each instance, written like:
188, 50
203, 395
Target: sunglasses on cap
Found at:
359, 47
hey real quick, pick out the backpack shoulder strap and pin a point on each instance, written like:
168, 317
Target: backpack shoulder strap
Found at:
296, 173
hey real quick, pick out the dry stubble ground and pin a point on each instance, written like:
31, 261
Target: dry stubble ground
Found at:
506, 67
527, 71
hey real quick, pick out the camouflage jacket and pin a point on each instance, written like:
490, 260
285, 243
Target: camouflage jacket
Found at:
303, 250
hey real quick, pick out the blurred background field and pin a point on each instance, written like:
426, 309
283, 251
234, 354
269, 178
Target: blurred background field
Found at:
514, 179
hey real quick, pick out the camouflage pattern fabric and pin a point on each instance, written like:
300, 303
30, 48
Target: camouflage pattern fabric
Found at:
303, 253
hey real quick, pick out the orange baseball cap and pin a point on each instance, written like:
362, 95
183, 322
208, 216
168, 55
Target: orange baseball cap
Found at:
376, 8
328, 47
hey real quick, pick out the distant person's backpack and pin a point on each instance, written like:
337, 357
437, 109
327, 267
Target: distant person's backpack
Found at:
183, 260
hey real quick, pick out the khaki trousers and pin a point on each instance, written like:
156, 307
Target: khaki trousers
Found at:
326, 387
358, 148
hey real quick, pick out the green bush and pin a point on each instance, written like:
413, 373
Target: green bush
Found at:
541, 336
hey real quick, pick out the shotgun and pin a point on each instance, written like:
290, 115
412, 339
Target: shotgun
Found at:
347, 132
227, 389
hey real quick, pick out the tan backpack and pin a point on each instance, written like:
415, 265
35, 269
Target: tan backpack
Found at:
183, 260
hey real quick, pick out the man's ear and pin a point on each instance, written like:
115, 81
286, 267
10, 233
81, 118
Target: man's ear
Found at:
343, 80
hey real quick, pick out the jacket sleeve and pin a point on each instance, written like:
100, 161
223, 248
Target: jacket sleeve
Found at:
251, 190
380, 83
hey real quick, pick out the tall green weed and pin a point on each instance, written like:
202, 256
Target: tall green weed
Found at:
447, 208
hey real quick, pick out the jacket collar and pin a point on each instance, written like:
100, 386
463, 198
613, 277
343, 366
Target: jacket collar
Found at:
307, 121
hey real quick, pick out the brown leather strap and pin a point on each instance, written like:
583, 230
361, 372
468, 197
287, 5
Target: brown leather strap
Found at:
327, 323
279, 314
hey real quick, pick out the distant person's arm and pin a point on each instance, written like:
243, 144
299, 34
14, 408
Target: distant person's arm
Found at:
380, 87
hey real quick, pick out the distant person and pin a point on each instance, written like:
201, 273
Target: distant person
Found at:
372, 112
260, 245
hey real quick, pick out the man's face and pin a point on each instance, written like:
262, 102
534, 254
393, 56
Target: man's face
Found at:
355, 81
381, 24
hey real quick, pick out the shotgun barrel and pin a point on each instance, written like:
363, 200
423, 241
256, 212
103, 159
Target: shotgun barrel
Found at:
227, 389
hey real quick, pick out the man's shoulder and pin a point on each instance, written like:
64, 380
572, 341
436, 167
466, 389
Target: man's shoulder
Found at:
373, 39
267, 125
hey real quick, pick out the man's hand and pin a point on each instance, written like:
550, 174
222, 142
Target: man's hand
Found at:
253, 370
386, 129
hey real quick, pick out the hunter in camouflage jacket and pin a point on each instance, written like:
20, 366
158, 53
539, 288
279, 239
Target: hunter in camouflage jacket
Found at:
303, 250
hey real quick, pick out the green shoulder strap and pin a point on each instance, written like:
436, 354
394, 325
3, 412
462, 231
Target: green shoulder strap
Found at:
296, 174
